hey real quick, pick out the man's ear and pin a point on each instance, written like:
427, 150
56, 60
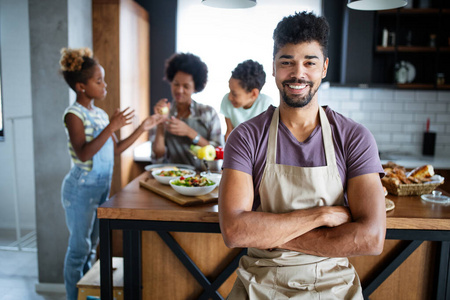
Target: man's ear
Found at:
325, 68
273, 68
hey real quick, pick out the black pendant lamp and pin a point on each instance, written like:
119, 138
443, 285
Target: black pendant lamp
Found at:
230, 3
375, 4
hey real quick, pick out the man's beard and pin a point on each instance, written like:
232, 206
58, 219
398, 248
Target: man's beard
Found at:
296, 101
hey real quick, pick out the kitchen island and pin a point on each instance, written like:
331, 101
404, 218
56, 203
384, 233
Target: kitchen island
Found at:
177, 252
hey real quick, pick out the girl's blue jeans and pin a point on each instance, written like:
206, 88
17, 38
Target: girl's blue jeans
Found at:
82, 192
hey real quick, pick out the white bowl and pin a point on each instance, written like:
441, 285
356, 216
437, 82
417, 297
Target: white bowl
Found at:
213, 176
193, 190
167, 179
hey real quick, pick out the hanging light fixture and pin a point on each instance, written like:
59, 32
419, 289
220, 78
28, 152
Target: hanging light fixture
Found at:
375, 4
230, 3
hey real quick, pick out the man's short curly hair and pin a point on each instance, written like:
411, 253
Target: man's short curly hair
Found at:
299, 28
190, 64
250, 74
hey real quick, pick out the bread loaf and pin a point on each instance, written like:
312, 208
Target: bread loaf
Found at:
425, 171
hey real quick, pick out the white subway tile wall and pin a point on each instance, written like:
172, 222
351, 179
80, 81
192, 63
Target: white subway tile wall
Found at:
396, 118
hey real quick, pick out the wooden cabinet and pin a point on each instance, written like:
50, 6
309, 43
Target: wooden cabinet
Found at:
419, 37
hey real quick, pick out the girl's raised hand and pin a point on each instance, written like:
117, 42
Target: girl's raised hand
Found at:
152, 121
121, 118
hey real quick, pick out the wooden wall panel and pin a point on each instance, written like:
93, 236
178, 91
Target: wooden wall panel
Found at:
121, 39
121, 34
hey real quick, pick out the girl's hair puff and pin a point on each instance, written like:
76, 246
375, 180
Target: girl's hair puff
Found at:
77, 65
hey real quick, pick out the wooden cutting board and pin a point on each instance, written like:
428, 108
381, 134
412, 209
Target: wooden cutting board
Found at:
168, 192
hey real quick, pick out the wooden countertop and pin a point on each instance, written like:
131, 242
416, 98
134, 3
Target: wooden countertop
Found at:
136, 203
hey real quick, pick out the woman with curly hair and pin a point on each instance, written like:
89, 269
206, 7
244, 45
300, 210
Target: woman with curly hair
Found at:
92, 145
244, 101
188, 122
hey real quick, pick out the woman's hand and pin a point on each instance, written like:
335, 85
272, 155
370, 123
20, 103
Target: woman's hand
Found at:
121, 118
178, 127
162, 107
152, 121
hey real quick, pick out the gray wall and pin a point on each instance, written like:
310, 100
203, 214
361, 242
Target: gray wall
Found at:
34, 98
17, 113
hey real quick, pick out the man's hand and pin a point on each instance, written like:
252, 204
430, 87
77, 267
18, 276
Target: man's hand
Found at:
337, 215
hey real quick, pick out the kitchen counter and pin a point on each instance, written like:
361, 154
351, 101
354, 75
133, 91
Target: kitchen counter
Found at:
168, 248
410, 161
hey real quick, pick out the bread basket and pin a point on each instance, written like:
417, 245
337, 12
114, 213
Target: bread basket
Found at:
413, 189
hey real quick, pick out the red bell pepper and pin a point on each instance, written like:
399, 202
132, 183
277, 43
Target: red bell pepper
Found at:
219, 152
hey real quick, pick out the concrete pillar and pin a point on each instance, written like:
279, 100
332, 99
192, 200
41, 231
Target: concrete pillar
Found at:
54, 24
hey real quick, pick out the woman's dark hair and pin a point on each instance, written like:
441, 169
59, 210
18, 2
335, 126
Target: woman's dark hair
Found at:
299, 28
77, 65
250, 74
190, 64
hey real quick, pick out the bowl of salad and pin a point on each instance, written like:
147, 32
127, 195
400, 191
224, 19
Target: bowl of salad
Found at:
164, 176
193, 186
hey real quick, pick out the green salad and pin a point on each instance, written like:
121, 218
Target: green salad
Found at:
173, 173
193, 181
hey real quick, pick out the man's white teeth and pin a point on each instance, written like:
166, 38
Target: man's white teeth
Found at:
297, 87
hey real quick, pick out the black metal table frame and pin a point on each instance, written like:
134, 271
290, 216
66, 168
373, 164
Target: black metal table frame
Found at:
132, 256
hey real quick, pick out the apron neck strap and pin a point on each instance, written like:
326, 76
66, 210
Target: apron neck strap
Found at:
327, 137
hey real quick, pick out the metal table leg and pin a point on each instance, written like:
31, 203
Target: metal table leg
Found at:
106, 279
132, 285
443, 285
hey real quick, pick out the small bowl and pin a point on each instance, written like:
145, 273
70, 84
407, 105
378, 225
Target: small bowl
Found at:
213, 176
192, 190
167, 179
215, 165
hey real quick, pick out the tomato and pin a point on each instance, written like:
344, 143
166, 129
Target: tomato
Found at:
219, 152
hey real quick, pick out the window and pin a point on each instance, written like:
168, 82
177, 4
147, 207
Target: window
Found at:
223, 38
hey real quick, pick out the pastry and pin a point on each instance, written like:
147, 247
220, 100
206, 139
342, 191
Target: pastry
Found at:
425, 171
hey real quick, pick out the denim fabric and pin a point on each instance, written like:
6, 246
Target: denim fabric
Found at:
82, 193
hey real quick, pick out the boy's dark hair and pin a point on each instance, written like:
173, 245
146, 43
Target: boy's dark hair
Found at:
250, 74
190, 64
77, 65
299, 28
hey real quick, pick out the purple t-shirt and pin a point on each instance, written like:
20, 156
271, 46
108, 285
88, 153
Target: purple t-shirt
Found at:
355, 148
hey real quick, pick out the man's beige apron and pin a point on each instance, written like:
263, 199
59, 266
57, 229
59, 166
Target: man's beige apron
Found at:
283, 274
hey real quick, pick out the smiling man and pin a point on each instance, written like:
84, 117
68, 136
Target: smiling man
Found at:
301, 183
